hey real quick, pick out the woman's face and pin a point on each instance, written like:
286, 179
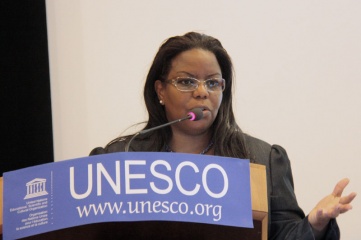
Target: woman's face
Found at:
202, 65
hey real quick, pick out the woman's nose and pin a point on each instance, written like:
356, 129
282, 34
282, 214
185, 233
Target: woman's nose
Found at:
201, 91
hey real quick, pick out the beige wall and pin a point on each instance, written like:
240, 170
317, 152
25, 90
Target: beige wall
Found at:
297, 66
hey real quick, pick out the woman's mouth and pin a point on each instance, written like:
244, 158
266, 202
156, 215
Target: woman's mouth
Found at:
206, 112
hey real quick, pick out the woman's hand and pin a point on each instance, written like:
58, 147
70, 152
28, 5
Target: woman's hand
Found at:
330, 207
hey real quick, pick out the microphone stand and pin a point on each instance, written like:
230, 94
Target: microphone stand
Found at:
155, 128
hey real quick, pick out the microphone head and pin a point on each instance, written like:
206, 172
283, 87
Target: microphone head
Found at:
195, 114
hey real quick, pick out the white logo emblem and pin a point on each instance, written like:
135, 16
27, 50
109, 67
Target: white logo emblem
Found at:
36, 188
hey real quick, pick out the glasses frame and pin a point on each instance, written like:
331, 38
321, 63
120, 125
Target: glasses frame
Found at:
174, 83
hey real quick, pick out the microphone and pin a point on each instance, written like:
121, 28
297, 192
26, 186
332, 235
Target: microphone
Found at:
194, 115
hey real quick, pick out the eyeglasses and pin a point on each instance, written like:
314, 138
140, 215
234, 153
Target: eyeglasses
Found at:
189, 84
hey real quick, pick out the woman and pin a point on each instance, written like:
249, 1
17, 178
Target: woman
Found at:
195, 71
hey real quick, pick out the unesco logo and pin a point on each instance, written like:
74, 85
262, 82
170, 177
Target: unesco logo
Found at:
36, 188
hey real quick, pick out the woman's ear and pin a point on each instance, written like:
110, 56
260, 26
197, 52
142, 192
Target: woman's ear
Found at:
159, 88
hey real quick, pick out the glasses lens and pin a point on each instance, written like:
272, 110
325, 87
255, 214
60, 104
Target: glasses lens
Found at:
215, 84
186, 84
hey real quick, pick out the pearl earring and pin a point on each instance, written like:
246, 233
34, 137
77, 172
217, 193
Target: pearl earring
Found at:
161, 102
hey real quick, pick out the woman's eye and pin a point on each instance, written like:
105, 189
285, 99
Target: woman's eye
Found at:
186, 82
212, 83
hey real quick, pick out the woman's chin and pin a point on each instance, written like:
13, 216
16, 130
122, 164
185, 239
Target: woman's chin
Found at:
199, 127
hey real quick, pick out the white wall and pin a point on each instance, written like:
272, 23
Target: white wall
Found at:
297, 65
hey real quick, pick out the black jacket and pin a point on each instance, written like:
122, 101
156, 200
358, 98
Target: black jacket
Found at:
286, 218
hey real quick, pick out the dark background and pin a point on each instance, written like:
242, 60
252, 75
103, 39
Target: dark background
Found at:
26, 121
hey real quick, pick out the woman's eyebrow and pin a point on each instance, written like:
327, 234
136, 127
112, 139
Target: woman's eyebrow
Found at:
187, 73
194, 76
214, 74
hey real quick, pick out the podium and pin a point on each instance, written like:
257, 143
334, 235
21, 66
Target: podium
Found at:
172, 230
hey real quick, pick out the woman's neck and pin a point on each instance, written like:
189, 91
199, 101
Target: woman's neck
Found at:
185, 143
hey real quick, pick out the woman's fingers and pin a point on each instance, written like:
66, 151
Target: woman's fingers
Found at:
347, 199
340, 186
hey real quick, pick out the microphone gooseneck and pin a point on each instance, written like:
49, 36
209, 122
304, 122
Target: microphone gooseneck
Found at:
194, 115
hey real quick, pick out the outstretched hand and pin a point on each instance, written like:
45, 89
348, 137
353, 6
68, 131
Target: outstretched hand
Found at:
331, 206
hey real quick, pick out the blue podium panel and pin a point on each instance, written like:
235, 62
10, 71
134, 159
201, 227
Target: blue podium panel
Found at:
127, 187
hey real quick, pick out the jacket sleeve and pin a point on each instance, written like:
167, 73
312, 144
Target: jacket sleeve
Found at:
288, 221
